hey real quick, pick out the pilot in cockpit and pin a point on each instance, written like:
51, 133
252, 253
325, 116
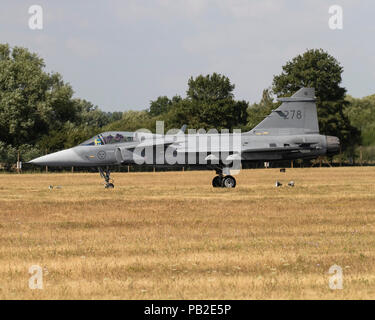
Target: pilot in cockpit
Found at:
98, 141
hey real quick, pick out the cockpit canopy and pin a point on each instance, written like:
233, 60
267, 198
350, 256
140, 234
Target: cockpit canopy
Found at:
110, 137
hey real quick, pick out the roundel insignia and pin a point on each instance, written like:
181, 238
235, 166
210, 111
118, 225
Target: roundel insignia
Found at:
101, 155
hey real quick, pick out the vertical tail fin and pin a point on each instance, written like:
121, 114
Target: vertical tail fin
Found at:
296, 115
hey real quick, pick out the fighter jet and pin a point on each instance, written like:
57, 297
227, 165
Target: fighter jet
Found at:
290, 132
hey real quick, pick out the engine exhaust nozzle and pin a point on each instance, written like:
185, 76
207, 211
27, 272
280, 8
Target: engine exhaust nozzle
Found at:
333, 145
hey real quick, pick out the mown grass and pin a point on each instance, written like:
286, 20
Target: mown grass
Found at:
172, 236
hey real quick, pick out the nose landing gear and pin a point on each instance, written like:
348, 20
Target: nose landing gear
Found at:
106, 175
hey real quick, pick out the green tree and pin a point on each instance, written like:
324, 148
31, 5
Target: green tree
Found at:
361, 113
66, 137
37, 111
182, 112
132, 121
209, 104
90, 115
8, 154
159, 106
210, 88
316, 68
162, 105
31, 100
114, 116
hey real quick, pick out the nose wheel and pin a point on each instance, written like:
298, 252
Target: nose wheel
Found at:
106, 175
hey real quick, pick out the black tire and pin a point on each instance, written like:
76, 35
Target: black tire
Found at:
110, 186
216, 182
229, 182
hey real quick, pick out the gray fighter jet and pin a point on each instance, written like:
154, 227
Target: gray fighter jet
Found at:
290, 132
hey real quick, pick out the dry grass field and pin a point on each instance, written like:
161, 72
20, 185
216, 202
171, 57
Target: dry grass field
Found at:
172, 236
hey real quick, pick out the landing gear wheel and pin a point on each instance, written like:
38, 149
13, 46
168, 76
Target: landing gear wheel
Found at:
217, 182
228, 182
109, 186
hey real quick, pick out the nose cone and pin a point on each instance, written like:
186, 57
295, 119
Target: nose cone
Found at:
64, 158
333, 145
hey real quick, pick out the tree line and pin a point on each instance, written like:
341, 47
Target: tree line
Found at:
38, 113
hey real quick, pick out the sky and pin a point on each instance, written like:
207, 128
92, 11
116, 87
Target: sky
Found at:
120, 55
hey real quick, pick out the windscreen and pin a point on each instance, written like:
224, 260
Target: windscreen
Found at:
94, 141
109, 138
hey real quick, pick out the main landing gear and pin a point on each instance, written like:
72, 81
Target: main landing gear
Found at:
106, 175
221, 181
